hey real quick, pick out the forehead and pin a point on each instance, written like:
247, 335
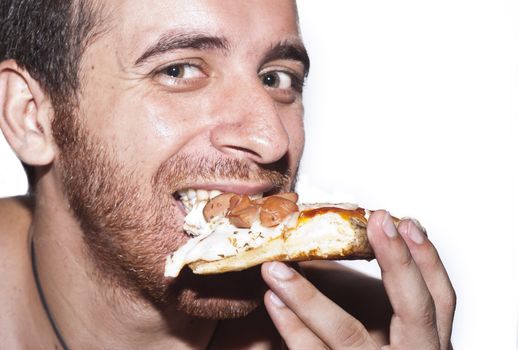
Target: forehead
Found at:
135, 23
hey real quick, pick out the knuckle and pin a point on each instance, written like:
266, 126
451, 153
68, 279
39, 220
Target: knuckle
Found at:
449, 301
428, 317
353, 335
422, 314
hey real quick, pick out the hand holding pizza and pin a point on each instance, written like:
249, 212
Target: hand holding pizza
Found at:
415, 280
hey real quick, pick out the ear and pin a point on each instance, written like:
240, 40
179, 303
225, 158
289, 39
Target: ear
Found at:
25, 115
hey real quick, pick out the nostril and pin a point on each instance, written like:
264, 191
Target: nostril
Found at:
244, 150
254, 140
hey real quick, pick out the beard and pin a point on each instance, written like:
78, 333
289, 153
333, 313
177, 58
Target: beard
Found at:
130, 224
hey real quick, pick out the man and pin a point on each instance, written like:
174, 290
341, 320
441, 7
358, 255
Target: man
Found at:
114, 106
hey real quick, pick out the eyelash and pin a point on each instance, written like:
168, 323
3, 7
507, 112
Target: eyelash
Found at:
297, 83
180, 81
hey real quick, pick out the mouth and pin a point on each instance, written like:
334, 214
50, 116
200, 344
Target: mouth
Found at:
220, 223
189, 198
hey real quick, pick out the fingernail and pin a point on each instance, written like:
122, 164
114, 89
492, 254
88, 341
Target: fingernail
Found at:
419, 226
280, 271
388, 226
415, 233
276, 300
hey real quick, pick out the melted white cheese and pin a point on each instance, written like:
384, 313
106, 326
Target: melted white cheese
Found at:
323, 232
219, 239
194, 223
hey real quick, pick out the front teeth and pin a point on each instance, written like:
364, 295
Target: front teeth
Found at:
202, 195
256, 196
190, 197
214, 193
191, 194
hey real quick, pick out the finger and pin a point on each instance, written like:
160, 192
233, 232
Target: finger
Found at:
292, 329
435, 276
335, 327
413, 324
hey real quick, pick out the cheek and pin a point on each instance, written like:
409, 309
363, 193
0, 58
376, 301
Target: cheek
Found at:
141, 131
141, 126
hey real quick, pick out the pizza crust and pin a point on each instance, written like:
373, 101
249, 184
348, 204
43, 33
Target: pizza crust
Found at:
353, 244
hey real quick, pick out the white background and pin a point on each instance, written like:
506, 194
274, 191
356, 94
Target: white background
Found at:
412, 106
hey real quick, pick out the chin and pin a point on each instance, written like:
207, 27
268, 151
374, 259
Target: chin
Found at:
223, 296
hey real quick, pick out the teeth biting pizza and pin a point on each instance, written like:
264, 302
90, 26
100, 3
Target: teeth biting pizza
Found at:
233, 232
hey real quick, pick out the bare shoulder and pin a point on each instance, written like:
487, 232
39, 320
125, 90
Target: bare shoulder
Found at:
360, 295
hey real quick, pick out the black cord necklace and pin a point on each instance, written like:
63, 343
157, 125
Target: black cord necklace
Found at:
44, 301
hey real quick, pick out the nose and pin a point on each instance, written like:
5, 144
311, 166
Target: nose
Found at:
251, 126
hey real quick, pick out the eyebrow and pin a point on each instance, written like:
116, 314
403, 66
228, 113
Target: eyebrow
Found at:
288, 51
174, 41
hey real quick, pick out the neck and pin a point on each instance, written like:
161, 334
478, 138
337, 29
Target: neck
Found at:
90, 313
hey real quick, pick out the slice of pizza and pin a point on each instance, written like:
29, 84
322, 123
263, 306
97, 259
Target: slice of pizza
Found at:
233, 232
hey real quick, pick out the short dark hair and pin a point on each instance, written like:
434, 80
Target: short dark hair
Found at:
48, 38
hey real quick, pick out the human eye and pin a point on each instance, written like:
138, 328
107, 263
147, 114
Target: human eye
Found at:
282, 82
183, 71
181, 75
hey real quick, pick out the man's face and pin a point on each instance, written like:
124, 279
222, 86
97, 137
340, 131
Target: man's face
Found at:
180, 94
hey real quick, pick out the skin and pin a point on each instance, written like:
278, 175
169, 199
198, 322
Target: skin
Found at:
145, 118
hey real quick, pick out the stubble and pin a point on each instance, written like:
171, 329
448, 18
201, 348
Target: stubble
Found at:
130, 224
